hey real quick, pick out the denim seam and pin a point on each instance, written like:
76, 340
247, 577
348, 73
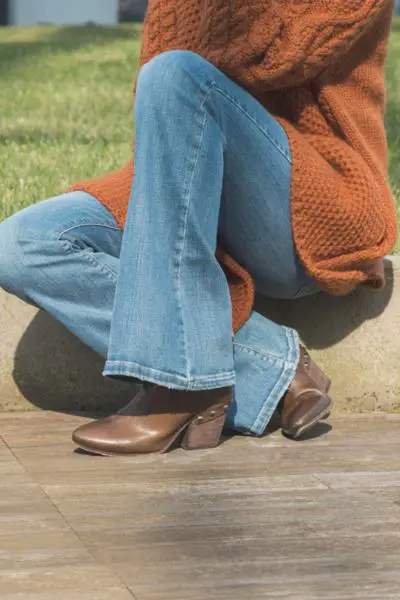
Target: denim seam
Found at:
68, 247
181, 241
105, 269
82, 222
281, 385
264, 131
128, 366
263, 355
124, 363
79, 224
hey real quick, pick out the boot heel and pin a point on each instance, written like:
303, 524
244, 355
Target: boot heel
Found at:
323, 382
205, 429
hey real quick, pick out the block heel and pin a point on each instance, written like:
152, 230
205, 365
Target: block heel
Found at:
204, 431
322, 381
306, 402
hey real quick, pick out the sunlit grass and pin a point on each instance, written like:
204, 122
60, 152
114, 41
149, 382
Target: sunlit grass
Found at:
66, 108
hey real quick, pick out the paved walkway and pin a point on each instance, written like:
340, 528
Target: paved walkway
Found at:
270, 518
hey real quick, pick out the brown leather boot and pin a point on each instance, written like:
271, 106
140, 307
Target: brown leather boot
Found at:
306, 402
155, 419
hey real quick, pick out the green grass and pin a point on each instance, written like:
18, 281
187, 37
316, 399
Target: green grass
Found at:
66, 107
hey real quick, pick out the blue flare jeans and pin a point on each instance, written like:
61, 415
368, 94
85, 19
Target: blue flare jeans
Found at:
210, 162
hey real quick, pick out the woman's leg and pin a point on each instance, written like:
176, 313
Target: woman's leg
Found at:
195, 132
172, 316
62, 254
265, 355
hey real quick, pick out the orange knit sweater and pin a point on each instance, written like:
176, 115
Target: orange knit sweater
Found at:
319, 68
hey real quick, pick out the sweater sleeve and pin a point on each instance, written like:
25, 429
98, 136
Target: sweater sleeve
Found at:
276, 44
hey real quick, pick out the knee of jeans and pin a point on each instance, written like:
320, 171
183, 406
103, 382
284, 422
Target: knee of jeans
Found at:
20, 235
10, 263
170, 67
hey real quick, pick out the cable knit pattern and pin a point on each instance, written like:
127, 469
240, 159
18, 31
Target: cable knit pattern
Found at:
319, 68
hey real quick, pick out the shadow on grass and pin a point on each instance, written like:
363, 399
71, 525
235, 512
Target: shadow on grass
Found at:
64, 39
392, 122
392, 119
396, 25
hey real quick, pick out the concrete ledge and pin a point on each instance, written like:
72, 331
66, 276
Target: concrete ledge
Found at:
44, 366
356, 339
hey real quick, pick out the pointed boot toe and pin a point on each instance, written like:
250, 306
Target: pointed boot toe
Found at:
97, 437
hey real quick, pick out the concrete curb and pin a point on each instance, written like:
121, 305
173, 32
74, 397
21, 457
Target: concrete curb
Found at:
356, 339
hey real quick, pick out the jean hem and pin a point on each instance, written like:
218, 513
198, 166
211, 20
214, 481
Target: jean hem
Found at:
285, 379
173, 381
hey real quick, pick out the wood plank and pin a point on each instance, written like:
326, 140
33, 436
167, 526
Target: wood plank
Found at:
46, 427
267, 518
362, 480
235, 461
38, 428
74, 580
109, 593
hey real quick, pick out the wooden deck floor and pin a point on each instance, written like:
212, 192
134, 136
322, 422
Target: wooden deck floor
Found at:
270, 518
